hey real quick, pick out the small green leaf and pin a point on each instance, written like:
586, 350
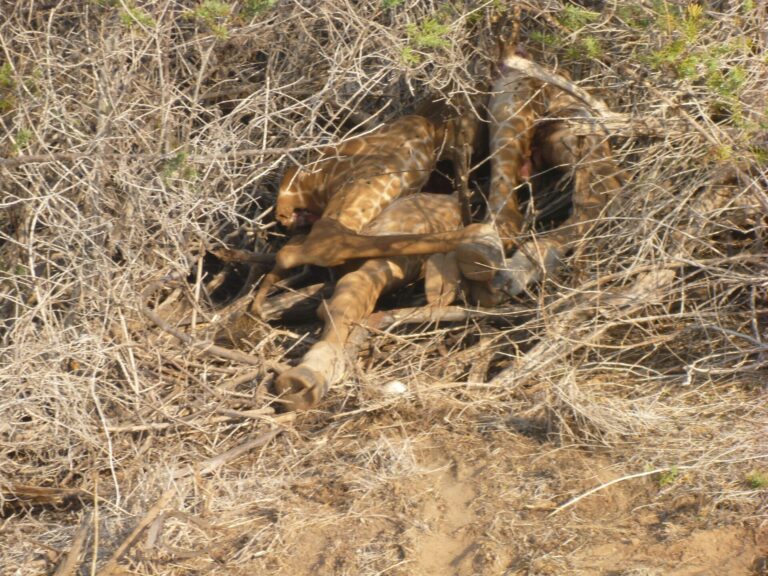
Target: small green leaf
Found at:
214, 14
757, 480
592, 47
178, 168
6, 77
255, 7
409, 56
575, 17
430, 34
669, 476
132, 16
23, 137
549, 40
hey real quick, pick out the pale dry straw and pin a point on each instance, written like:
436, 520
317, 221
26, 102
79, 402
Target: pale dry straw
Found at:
134, 137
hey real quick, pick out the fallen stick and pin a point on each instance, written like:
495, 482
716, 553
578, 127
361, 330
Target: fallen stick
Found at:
204, 348
39, 494
71, 562
237, 255
225, 416
568, 338
591, 491
424, 314
298, 301
210, 465
386, 320
294, 300
627, 126
11, 163
148, 518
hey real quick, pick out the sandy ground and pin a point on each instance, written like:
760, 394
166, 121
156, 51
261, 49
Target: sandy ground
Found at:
483, 504
410, 489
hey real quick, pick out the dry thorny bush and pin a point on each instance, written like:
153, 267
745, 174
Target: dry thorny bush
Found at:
136, 136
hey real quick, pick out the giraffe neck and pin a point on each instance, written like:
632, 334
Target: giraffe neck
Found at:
513, 109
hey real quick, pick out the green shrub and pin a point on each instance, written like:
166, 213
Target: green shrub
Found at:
214, 14
430, 34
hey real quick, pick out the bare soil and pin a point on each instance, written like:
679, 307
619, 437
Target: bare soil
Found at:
483, 502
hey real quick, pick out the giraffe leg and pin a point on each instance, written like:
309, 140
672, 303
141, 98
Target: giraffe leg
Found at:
279, 272
478, 252
354, 298
303, 386
331, 245
481, 257
273, 277
356, 293
514, 107
484, 283
441, 279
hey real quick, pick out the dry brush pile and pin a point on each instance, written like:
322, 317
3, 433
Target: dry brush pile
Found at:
136, 139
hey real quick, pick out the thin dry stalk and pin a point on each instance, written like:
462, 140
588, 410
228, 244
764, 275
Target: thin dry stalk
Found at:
71, 561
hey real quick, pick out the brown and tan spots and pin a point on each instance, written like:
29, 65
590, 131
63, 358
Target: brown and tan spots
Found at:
370, 212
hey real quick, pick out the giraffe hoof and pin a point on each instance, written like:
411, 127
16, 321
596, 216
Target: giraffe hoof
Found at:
481, 259
482, 294
506, 284
521, 272
499, 290
300, 388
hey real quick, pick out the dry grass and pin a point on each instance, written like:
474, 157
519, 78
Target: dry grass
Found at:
135, 136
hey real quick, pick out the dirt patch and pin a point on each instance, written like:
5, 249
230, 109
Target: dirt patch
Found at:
468, 503
732, 550
442, 539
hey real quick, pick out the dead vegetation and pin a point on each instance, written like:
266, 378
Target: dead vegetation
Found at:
141, 144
